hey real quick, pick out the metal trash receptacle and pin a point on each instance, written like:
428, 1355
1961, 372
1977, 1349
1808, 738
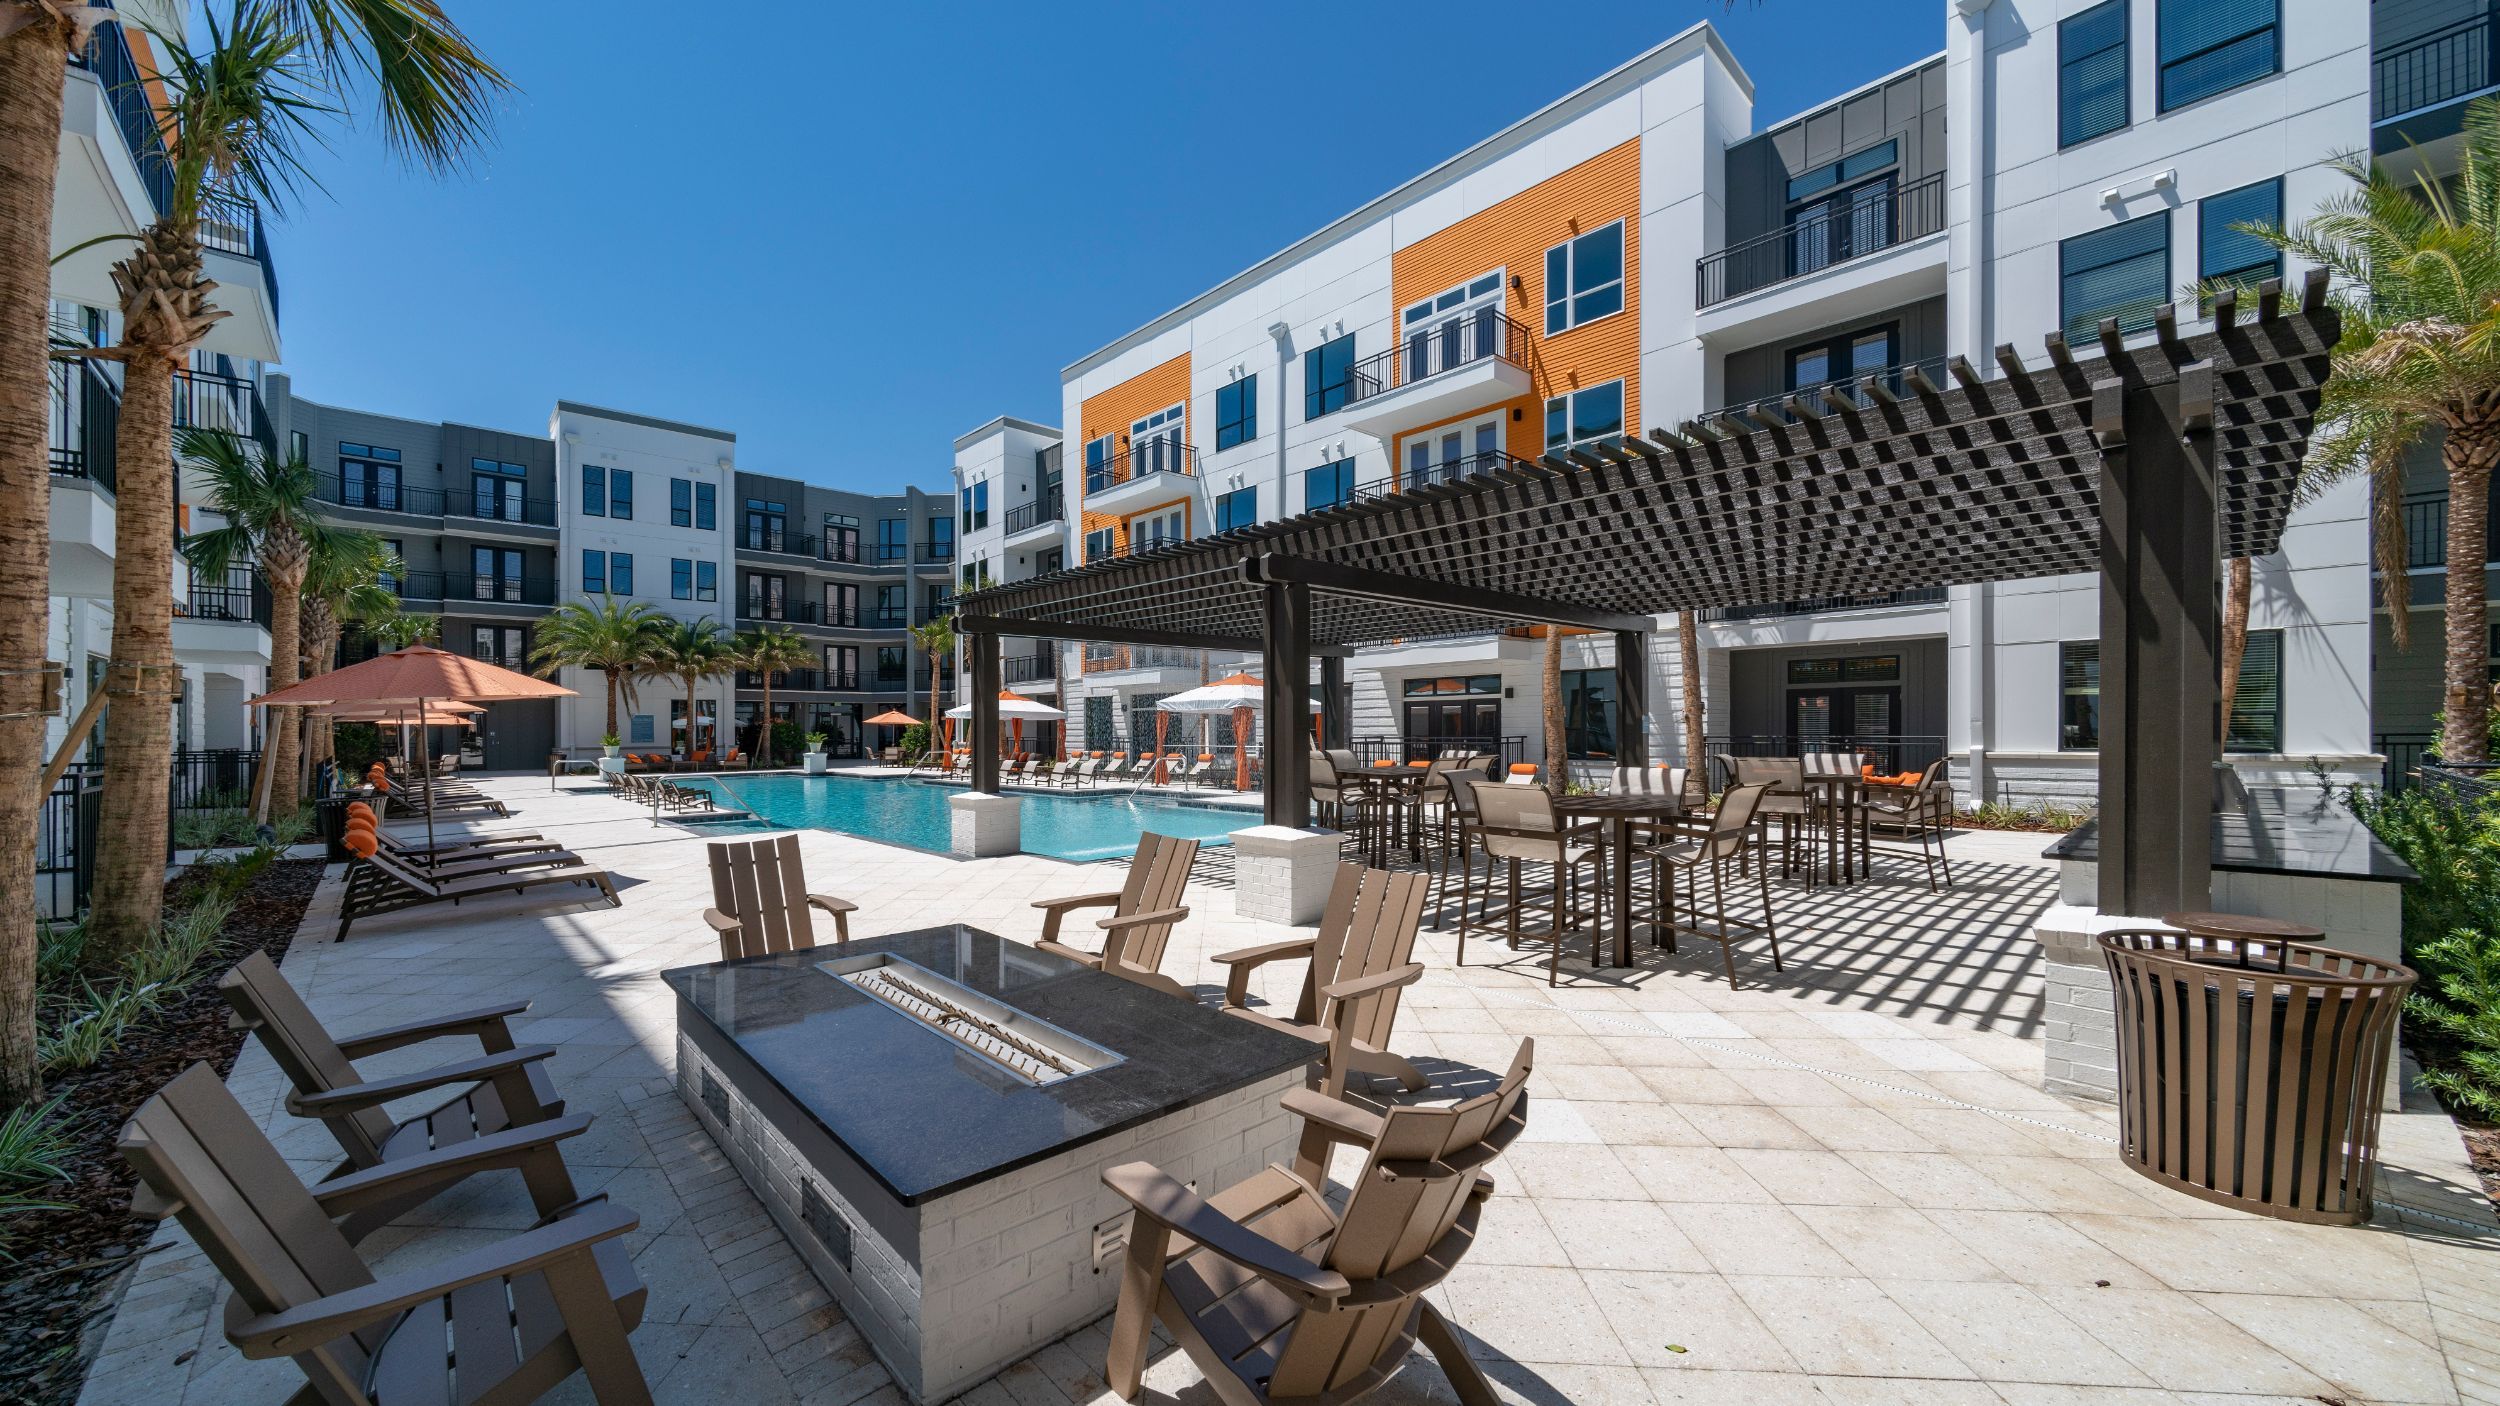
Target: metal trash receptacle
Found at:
2249, 1069
330, 817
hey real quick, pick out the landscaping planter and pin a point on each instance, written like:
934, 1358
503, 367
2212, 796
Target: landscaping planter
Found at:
2249, 1069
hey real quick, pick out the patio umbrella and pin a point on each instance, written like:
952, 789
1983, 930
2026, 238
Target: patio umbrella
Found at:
892, 717
1013, 707
1237, 695
420, 675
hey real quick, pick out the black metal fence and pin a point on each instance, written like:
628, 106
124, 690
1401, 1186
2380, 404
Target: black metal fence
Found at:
2405, 752
1887, 752
1847, 231
213, 779
1483, 334
241, 594
2448, 63
65, 839
1026, 516
1423, 749
1156, 454
92, 411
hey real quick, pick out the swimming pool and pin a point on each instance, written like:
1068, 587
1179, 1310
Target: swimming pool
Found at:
910, 813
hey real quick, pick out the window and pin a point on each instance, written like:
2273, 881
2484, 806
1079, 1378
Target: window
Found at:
707, 580
2121, 272
892, 663
368, 476
594, 573
1584, 279
594, 490
1589, 713
1471, 683
1843, 210
621, 572
2257, 704
1237, 412
1239, 508
841, 539
1327, 377
2079, 696
2092, 73
976, 505
495, 573
2228, 255
893, 539
766, 521
680, 503
680, 579
498, 644
706, 507
496, 490
2213, 46
621, 493
1868, 352
941, 539
1862, 668
1328, 485
1590, 416
1100, 543
299, 445
390, 576
841, 603
841, 666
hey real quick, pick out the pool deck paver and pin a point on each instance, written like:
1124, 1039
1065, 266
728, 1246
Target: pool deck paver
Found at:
1838, 1185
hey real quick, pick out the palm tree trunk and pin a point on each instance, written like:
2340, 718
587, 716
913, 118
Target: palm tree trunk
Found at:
2235, 588
286, 633
1696, 733
2465, 705
138, 723
31, 61
1557, 764
933, 696
610, 676
764, 734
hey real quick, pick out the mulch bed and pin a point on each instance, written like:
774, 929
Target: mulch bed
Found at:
68, 1265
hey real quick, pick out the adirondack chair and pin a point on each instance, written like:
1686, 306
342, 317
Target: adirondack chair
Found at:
760, 899
503, 1087
502, 1323
1360, 961
1279, 1298
1143, 912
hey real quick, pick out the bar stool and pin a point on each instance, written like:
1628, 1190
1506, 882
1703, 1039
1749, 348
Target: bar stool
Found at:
1728, 837
1785, 800
1518, 826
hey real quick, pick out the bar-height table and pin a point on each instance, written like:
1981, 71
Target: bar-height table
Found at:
1617, 813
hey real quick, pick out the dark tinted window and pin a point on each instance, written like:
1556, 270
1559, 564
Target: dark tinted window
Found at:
2212, 46
1327, 377
2092, 73
2121, 272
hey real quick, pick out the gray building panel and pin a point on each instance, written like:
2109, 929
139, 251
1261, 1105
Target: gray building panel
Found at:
1909, 107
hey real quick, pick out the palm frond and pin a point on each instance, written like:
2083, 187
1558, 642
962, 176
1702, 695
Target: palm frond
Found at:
434, 91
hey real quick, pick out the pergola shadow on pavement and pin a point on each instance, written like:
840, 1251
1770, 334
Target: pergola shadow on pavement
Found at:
2148, 463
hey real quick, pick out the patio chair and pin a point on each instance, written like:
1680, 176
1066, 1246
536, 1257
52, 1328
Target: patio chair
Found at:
502, 1087
1786, 800
760, 899
1517, 825
504, 1322
1279, 1297
1360, 961
1143, 912
394, 885
1925, 810
1726, 840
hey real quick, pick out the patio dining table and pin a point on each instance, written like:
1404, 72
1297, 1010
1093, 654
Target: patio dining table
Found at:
1616, 813
1399, 790
1840, 797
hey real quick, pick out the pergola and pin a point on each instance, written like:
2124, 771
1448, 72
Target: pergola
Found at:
2148, 462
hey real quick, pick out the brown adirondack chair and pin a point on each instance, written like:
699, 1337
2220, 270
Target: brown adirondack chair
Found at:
1360, 961
517, 1317
504, 1087
1143, 913
760, 899
1279, 1298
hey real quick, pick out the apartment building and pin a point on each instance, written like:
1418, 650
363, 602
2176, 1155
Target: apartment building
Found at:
1011, 525
115, 180
1648, 251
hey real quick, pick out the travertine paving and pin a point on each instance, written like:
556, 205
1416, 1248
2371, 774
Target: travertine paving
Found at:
1840, 1184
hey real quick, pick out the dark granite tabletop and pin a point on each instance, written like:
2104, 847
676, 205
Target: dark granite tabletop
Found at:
2274, 832
925, 1116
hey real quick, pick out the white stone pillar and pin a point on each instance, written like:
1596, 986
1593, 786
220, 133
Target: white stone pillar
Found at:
1281, 874
985, 825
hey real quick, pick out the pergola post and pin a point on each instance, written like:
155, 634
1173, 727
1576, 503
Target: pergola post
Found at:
1336, 703
984, 822
1632, 698
1287, 650
985, 736
2160, 699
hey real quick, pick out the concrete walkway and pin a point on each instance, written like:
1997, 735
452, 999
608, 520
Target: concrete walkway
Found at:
1840, 1184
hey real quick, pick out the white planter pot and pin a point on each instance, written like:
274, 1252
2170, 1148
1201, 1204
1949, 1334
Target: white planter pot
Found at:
614, 766
612, 753
814, 762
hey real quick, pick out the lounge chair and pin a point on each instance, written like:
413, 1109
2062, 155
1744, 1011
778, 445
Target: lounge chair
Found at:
1197, 772
760, 899
1360, 961
1143, 911
502, 1087
518, 1316
389, 884
1279, 1297
448, 850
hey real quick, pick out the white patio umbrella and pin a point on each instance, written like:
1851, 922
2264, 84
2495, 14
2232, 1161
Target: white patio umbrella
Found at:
1237, 695
1013, 707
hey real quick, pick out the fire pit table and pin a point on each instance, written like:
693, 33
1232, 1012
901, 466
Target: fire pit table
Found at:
927, 1116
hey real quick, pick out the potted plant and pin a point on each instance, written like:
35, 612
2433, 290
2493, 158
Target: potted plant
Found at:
612, 753
814, 761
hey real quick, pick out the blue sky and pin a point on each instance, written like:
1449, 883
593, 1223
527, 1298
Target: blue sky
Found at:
850, 233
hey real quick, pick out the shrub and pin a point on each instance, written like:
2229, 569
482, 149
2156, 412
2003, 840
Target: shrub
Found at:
357, 746
34, 1152
2451, 932
211, 829
915, 741
785, 738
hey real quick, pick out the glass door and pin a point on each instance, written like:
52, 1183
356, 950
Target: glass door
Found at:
1816, 718
1452, 452
1098, 455
1154, 443
764, 596
498, 573
1162, 527
1452, 328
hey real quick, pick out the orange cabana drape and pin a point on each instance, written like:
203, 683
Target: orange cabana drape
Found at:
1241, 748
1163, 723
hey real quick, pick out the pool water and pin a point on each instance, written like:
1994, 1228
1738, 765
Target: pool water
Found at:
903, 812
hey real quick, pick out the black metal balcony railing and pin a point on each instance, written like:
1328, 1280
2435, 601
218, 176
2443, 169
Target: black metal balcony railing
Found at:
893, 678
208, 400
491, 506
794, 612
890, 617
461, 586
844, 550
893, 551
1780, 610
241, 595
1026, 516
88, 424
1483, 335
109, 58
501, 508
2451, 62
1848, 389
803, 680
935, 551
1849, 231
1158, 455
1028, 668
1329, 487
231, 223
796, 544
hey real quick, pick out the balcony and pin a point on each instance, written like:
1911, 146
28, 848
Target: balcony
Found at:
776, 542
893, 553
1331, 486
803, 681
1113, 658
933, 552
1849, 390
1783, 610
1024, 517
487, 512
890, 617
1029, 668
224, 620
892, 678
1824, 241
211, 400
1438, 372
1157, 471
781, 612
2446, 65
463, 588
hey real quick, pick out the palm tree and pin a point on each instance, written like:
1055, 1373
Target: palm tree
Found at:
2417, 279
342, 582
768, 651
1557, 745
1696, 734
690, 651
620, 641
936, 639
399, 629
432, 93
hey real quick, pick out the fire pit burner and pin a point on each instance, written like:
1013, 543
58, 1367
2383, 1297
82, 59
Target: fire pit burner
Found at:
1035, 1050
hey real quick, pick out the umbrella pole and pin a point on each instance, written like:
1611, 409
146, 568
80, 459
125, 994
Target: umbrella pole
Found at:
425, 753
